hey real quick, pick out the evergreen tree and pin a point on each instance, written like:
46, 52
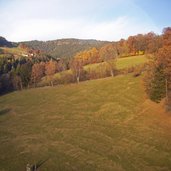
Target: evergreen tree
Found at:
156, 84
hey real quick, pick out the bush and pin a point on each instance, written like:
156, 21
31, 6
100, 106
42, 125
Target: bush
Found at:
101, 71
64, 78
138, 70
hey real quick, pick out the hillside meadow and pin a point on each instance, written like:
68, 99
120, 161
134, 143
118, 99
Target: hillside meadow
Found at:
99, 68
15, 51
124, 62
105, 124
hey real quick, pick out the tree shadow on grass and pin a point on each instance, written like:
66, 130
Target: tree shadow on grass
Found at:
36, 166
4, 111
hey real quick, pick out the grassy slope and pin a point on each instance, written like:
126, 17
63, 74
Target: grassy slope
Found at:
120, 64
124, 62
131, 61
14, 51
104, 124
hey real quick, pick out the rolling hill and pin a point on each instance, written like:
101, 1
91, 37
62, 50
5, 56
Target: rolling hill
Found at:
58, 48
106, 124
124, 62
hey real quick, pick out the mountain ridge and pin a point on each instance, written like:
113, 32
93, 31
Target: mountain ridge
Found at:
66, 47
58, 48
5, 43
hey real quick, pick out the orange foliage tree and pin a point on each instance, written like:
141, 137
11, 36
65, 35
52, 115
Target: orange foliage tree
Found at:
50, 70
159, 75
38, 71
76, 66
109, 54
88, 56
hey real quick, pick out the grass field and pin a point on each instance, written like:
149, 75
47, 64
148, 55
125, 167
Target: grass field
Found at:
124, 62
103, 125
2, 55
131, 61
14, 51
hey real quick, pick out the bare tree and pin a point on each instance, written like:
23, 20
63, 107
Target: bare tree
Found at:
50, 70
76, 66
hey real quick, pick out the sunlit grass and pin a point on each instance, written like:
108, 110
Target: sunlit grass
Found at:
131, 61
122, 63
104, 124
14, 50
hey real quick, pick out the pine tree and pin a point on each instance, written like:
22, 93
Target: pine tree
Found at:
157, 89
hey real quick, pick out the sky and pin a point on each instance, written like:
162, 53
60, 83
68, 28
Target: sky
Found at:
24, 20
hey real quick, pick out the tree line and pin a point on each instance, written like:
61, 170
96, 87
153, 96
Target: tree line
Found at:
158, 75
16, 74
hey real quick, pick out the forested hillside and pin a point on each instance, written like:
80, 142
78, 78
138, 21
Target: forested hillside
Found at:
65, 47
5, 43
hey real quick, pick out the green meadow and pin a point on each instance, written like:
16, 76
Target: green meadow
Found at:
122, 63
99, 125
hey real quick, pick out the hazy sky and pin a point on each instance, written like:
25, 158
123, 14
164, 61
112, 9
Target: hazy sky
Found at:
85, 19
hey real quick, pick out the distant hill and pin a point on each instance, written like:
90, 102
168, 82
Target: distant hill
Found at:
57, 48
5, 43
64, 47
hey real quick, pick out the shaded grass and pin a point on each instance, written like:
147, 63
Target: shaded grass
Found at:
4, 111
104, 124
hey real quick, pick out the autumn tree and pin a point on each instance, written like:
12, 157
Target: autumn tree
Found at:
76, 66
60, 65
109, 54
50, 70
38, 71
140, 44
88, 56
94, 56
131, 42
122, 48
167, 36
154, 44
159, 77
23, 46
164, 59
143, 43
